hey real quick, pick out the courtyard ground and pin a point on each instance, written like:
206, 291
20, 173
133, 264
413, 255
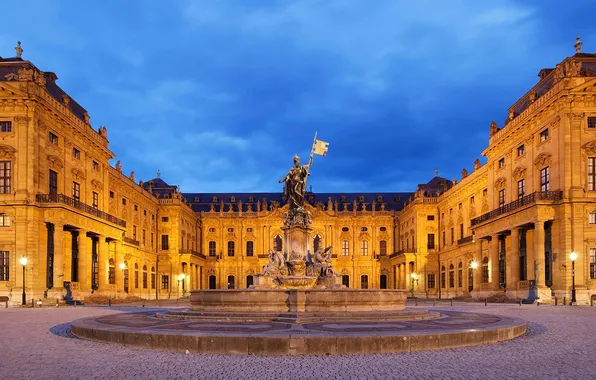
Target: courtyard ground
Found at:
560, 344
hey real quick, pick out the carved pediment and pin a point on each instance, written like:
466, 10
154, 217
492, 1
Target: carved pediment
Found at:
364, 236
590, 147
96, 184
519, 173
543, 159
55, 162
78, 173
500, 183
7, 151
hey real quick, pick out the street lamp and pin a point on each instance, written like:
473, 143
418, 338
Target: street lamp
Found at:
474, 265
413, 276
573, 257
24, 263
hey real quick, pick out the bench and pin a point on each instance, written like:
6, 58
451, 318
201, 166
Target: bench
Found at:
5, 300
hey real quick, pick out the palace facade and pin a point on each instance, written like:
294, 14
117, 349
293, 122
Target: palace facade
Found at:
506, 227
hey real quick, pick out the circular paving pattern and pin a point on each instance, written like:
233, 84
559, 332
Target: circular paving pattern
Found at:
442, 329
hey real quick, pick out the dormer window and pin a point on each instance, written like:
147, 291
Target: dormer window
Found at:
544, 135
251, 199
379, 198
214, 199
502, 163
361, 198
197, 199
232, 199
343, 198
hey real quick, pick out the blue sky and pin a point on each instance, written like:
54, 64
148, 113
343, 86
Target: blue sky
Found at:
219, 95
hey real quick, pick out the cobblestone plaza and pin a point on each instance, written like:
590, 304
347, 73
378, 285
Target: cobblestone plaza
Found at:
553, 348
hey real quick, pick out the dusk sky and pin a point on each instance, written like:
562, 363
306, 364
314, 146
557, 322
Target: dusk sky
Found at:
219, 95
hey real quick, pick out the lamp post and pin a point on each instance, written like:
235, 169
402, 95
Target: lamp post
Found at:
573, 257
413, 276
24, 263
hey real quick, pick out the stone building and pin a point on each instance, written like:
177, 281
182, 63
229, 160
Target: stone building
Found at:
507, 227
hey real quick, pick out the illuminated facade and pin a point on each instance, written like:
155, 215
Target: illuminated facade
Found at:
86, 228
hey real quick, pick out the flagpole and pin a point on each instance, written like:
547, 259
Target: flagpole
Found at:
312, 152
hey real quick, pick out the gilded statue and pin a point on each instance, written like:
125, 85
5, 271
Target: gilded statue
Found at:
295, 184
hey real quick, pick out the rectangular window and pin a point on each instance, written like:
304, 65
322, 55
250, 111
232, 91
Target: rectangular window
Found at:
152, 280
431, 280
520, 150
383, 247
452, 235
165, 282
430, 241
5, 126
430, 217
592, 173
95, 165
5, 177
76, 191
112, 275
165, 242
364, 247
521, 188
53, 182
53, 138
136, 207
459, 206
484, 192
461, 231
4, 220
345, 248
591, 122
111, 194
460, 278
249, 248
231, 248
444, 239
544, 135
165, 219
4, 267
592, 264
134, 232
95, 203
501, 197
152, 235
472, 200
502, 163
592, 217
545, 179
76, 153
124, 201
144, 280
144, 236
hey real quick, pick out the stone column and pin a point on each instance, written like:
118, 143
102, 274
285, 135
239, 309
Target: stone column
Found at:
478, 260
512, 261
538, 255
102, 254
402, 276
84, 262
494, 261
119, 259
58, 257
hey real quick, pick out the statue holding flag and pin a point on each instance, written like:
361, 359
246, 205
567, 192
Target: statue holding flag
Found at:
295, 180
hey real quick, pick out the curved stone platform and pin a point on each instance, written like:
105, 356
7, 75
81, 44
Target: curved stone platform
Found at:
448, 330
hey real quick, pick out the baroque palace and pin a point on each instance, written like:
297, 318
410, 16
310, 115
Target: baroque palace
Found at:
507, 227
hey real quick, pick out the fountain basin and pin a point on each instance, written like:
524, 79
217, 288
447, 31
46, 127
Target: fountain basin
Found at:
297, 300
297, 282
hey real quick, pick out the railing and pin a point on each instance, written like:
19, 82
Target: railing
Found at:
61, 198
402, 251
523, 201
131, 241
465, 240
191, 252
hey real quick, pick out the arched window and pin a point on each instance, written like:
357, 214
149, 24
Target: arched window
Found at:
250, 248
231, 246
383, 247
451, 276
231, 282
345, 280
470, 276
364, 281
460, 275
112, 272
277, 244
443, 276
212, 248
249, 281
364, 247
345, 248
316, 243
136, 276
485, 270
152, 277
144, 276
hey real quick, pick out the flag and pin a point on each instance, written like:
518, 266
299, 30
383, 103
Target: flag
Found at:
320, 147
